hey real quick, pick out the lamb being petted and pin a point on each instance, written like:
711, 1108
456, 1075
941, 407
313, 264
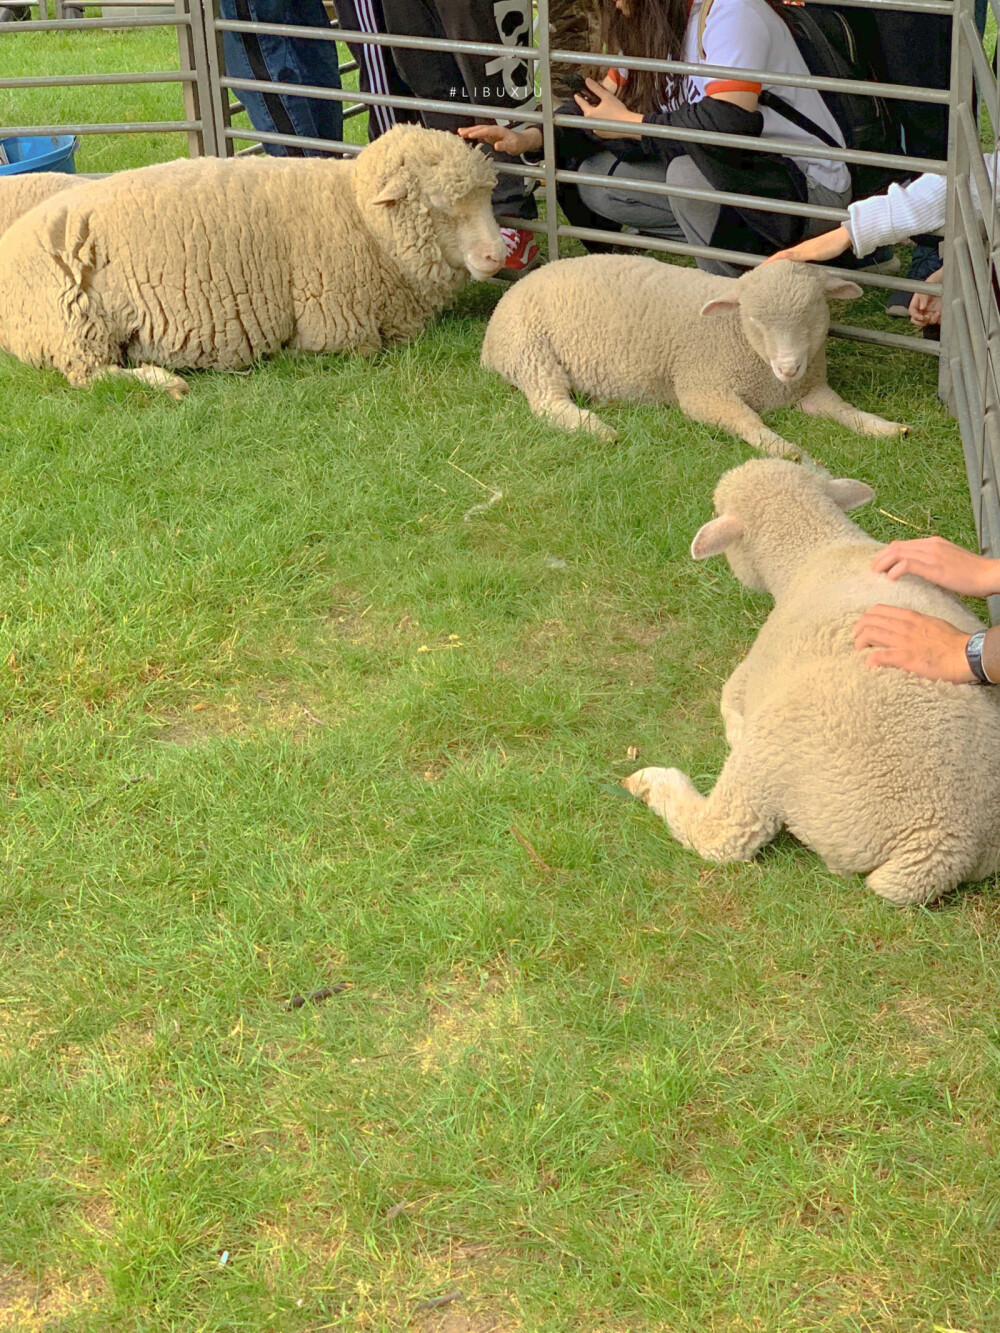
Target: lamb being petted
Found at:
881, 772
722, 349
214, 264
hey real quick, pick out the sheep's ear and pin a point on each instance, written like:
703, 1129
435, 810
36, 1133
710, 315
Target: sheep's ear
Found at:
839, 289
720, 304
847, 492
714, 536
392, 191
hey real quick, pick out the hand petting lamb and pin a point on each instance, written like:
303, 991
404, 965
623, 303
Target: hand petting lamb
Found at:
722, 349
213, 264
881, 772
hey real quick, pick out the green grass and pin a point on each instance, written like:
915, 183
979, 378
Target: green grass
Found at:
273, 708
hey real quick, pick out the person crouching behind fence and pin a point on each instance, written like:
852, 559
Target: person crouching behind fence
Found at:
738, 34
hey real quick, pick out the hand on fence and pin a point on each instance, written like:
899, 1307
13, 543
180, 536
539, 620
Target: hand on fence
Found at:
817, 249
504, 139
941, 562
926, 309
914, 642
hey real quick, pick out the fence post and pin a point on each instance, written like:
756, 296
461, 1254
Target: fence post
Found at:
548, 129
204, 99
961, 89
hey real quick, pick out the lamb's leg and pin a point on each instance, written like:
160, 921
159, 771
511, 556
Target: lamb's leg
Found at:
733, 415
825, 402
155, 376
912, 877
723, 826
565, 414
731, 705
547, 388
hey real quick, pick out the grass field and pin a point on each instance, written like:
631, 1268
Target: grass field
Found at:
281, 713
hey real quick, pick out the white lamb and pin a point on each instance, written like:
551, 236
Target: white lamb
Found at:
214, 264
881, 772
722, 349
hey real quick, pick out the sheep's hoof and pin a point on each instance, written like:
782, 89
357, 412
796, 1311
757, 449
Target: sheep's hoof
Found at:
645, 783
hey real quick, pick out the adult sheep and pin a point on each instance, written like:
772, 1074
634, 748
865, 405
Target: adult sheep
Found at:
722, 349
881, 772
213, 264
23, 191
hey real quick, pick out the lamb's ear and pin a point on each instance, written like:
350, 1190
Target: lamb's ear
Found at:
393, 190
720, 304
839, 289
847, 492
715, 535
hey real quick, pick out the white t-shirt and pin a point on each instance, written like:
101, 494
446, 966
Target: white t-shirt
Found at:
748, 34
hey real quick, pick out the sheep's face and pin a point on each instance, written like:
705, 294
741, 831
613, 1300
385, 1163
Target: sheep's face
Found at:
470, 237
426, 195
784, 314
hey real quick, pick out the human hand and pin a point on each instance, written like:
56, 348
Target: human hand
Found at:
609, 107
817, 249
504, 139
941, 562
914, 642
925, 309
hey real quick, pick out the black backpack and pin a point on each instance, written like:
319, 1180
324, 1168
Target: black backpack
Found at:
836, 45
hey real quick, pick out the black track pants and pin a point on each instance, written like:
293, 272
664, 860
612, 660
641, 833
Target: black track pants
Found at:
506, 82
377, 72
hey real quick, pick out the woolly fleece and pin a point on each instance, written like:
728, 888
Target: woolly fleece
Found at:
881, 772
628, 327
20, 193
214, 264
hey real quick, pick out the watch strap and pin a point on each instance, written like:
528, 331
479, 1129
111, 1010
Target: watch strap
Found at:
974, 657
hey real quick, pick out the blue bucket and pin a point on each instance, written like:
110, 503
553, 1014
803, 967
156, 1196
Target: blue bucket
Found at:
39, 154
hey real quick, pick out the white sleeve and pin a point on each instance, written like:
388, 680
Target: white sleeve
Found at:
885, 219
738, 37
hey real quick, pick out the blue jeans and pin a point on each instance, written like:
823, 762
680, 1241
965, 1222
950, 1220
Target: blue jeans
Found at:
285, 60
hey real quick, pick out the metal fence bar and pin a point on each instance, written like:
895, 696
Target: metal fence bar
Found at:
110, 127
971, 293
94, 80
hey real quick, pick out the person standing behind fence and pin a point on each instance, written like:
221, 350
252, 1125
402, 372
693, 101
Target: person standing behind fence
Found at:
737, 34
506, 82
271, 59
377, 72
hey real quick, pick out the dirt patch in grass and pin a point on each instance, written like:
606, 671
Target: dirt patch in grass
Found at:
27, 1304
466, 1014
278, 708
449, 1320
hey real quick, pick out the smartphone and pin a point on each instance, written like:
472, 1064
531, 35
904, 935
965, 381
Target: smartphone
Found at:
575, 83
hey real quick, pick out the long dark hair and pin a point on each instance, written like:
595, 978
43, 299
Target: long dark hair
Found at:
653, 29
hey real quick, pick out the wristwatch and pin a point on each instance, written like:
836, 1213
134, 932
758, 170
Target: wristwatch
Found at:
974, 657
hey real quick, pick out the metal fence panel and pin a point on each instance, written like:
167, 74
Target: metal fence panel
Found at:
971, 293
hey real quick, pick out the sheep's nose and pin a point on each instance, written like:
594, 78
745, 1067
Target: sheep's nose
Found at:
787, 368
487, 261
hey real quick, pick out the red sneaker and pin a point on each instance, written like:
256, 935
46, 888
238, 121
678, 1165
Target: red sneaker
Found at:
522, 249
